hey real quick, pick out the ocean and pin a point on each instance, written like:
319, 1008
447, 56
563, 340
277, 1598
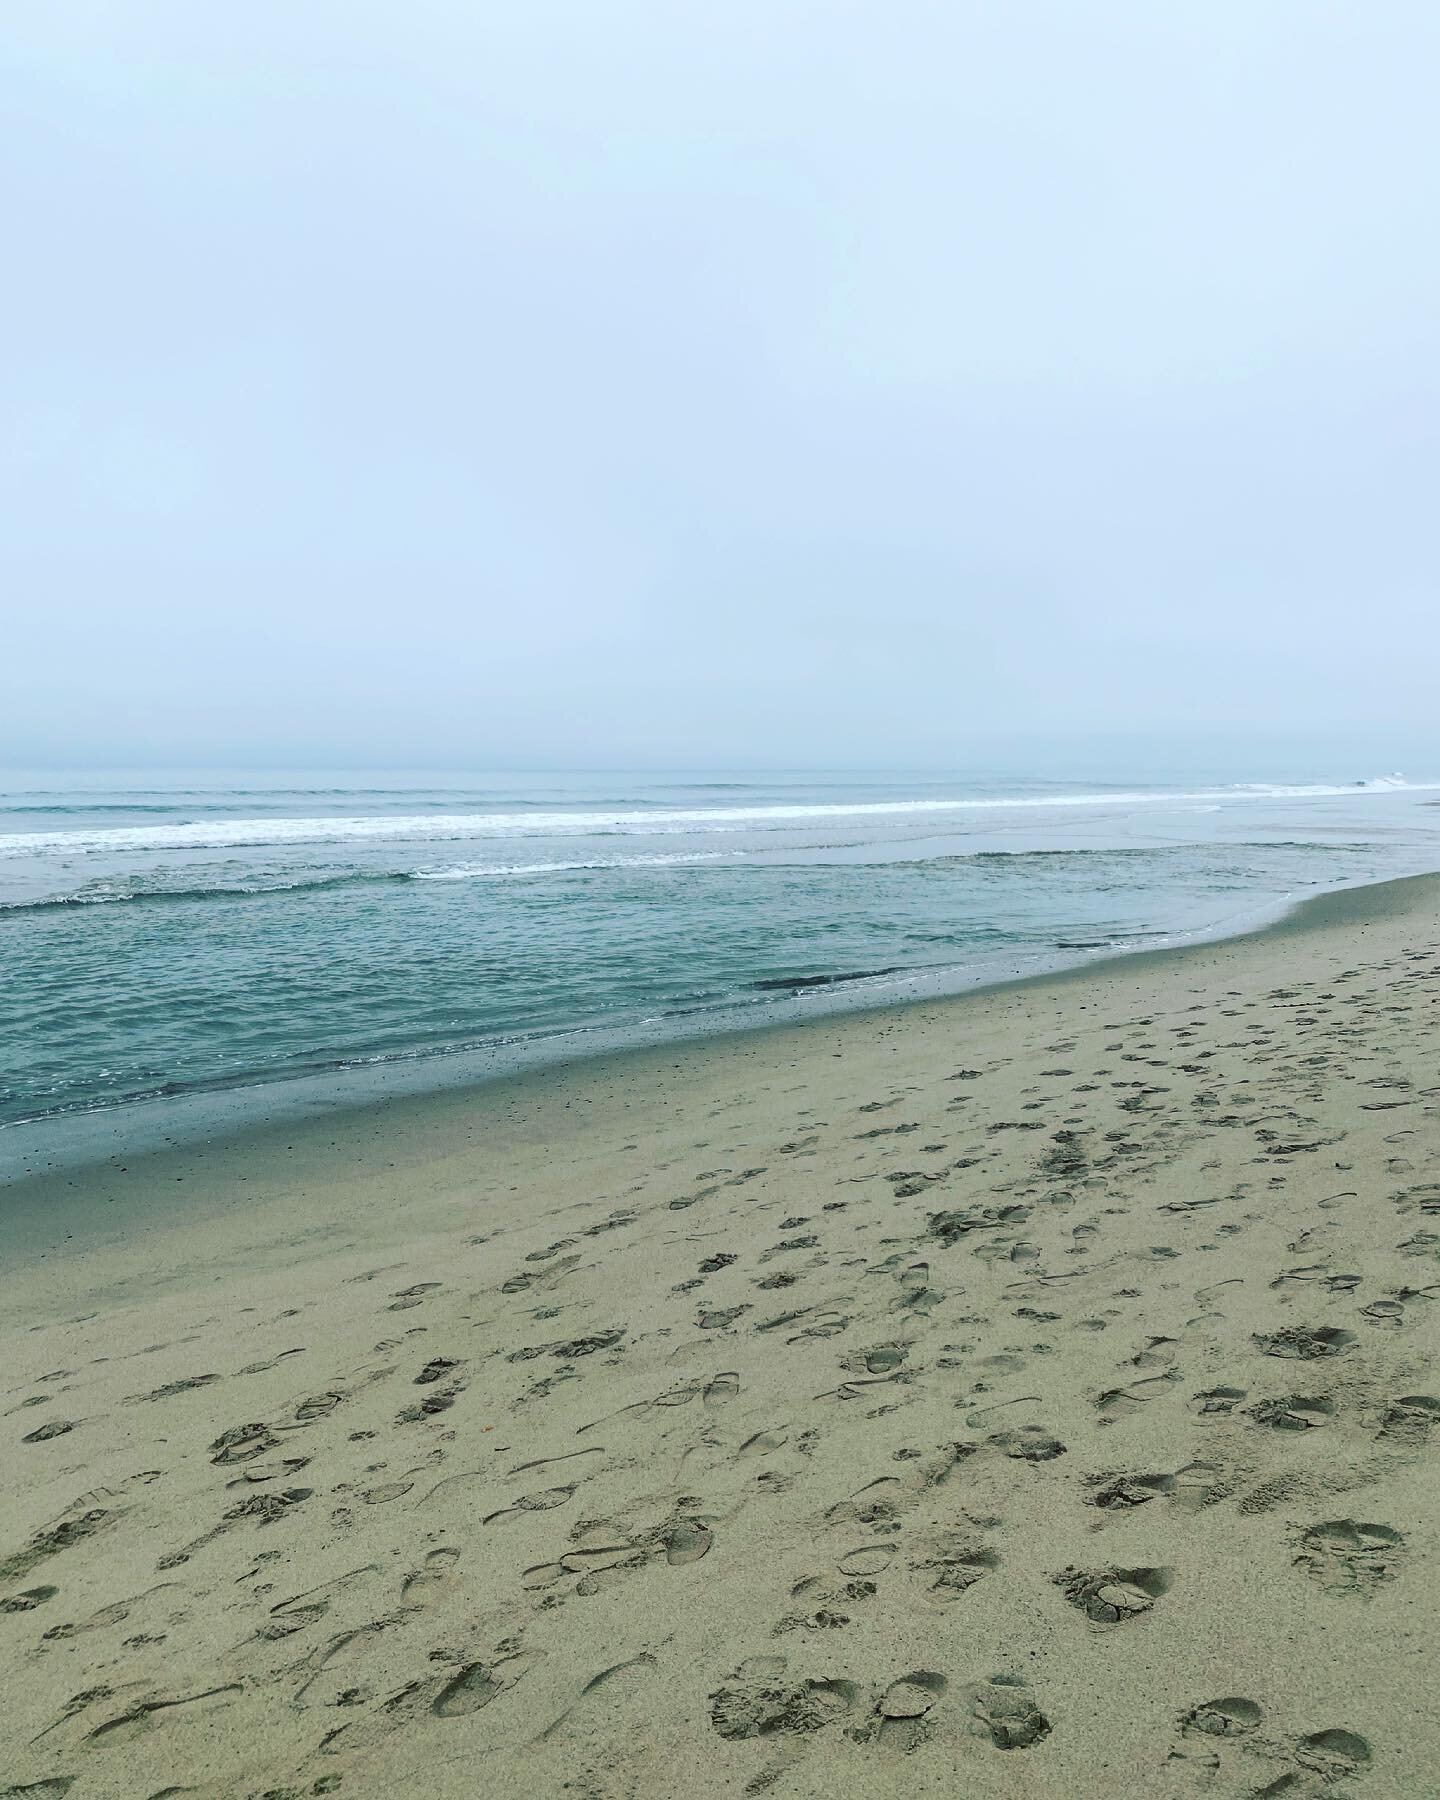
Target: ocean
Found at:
171, 935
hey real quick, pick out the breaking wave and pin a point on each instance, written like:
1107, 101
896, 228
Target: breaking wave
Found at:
236, 834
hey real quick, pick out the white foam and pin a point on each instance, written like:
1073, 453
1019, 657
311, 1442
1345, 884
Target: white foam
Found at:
476, 871
235, 834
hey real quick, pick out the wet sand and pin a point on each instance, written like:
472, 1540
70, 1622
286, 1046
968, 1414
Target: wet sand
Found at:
1024, 1394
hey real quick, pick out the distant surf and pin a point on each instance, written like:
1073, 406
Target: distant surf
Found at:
263, 833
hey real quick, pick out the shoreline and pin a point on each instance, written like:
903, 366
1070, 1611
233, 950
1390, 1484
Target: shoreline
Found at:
43, 1214
69, 1143
1030, 1391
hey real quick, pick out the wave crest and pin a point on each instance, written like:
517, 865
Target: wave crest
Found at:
236, 834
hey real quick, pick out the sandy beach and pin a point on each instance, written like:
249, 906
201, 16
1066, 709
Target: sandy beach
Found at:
1028, 1394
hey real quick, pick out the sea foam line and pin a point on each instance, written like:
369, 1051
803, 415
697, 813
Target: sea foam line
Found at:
475, 871
438, 827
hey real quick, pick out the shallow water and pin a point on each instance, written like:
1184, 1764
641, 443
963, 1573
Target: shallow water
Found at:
160, 935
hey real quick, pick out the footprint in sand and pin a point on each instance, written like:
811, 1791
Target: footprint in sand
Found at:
1321, 1759
916, 1294
545, 1462
877, 1503
1030, 1443
386, 1492
1122, 1493
761, 1701
116, 1613
1305, 1344
1409, 1419
411, 1296
764, 1443
55, 1428
1424, 1199
900, 1720
1115, 1403
1110, 1596
28, 1600
1157, 1353
812, 1590
52, 1539
148, 1713
1350, 1557
1002, 1710
540, 1278
432, 1580
241, 1442
602, 1695
317, 1406
680, 1395
543, 1501
543, 1575
719, 1318
823, 1325
1293, 1412
882, 1359
1231, 1716
686, 1540
478, 1684
172, 1388
862, 1387
868, 1559
1333, 1754
286, 1621
1198, 1485
1216, 1403
955, 1568
273, 1362
599, 1552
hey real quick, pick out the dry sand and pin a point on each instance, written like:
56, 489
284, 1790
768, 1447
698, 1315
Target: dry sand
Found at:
1030, 1394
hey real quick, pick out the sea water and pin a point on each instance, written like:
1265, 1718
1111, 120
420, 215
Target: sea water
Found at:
163, 935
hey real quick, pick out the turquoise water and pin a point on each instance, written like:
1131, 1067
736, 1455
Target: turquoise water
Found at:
166, 935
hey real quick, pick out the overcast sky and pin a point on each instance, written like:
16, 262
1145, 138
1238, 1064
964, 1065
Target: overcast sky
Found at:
546, 382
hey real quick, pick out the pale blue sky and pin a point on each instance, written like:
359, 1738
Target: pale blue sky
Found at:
622, 382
